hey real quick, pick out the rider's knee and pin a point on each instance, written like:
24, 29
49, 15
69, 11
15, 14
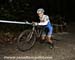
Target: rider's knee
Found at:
48, 37
43, 37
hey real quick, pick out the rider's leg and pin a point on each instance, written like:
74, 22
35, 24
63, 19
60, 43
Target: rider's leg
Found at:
48, 37
43, 36
50, 41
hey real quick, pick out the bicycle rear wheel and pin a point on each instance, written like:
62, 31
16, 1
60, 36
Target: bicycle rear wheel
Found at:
26, 40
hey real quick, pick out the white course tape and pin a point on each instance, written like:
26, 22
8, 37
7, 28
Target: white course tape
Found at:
15, 22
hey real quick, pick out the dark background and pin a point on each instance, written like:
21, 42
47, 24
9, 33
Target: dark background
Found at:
26, 9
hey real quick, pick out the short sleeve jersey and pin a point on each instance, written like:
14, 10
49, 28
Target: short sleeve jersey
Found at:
46, 18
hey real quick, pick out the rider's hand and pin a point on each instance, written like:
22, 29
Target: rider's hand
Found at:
35, 23
26, 22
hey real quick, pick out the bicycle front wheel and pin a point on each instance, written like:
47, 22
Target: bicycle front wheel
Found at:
26, 40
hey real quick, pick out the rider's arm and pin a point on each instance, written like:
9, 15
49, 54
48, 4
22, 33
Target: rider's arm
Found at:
43, 23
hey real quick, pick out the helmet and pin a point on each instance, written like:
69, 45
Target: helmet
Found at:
40, 10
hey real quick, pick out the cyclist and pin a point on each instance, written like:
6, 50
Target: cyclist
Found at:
45, 22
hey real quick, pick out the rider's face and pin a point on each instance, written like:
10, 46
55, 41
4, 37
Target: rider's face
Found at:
40, 14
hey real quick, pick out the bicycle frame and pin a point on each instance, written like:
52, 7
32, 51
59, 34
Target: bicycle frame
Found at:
37, 30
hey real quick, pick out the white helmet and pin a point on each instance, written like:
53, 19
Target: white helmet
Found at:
40, 10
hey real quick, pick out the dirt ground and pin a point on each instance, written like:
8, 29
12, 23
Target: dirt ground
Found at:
64, 49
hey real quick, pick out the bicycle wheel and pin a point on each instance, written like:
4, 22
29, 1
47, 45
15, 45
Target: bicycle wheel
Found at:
26, 40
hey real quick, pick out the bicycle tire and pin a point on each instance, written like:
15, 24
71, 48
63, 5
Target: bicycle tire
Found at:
30, 36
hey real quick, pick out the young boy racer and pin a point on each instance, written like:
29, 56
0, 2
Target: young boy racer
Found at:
45, 22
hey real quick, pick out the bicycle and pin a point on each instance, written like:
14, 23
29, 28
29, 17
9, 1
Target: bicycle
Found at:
27, 38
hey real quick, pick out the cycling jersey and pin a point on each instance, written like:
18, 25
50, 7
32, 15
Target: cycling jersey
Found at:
45, 22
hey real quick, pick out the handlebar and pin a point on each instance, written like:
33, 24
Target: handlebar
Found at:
33, 23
